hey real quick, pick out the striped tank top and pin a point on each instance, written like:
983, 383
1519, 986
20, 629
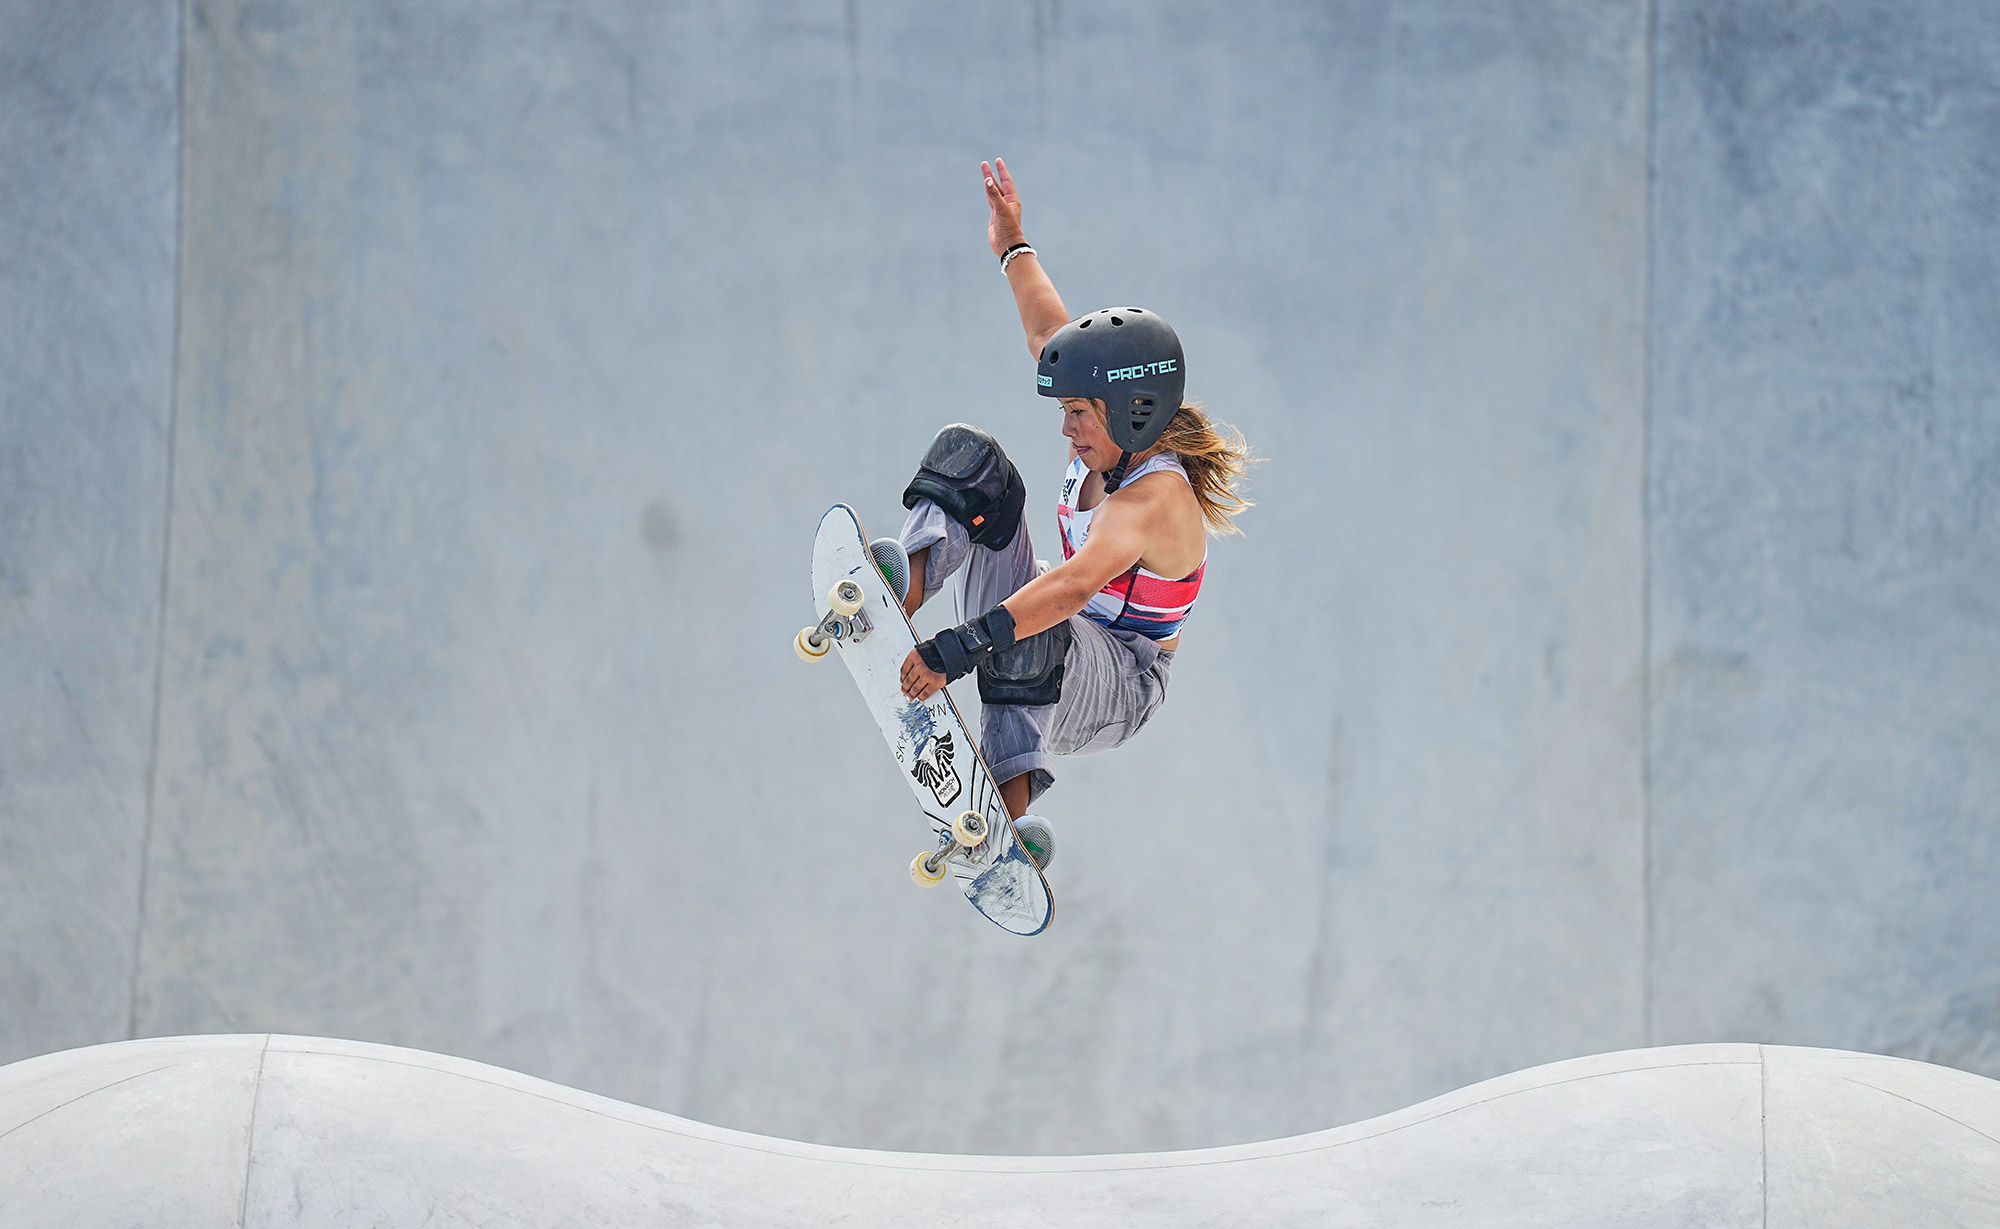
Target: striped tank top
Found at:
1136, 600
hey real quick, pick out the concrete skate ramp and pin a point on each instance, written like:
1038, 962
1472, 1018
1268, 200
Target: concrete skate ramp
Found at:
271, 1130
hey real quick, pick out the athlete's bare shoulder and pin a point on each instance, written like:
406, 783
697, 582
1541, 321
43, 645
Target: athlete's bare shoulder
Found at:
1176, 541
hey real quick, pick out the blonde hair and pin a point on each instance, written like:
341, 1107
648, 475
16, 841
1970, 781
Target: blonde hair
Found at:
1214, 456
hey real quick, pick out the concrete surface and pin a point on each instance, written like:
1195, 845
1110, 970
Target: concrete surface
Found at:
88, 126
398, 588
299, 1131
1825, 529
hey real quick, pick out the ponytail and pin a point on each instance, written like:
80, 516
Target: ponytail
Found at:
1215, 460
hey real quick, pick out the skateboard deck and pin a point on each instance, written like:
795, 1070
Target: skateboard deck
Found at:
929, 741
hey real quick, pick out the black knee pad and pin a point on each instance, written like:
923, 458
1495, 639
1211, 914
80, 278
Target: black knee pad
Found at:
966, 473
1029, 674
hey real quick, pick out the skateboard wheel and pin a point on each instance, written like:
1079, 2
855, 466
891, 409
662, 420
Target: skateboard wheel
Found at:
922, 877
970, 828
803, 644
845, 597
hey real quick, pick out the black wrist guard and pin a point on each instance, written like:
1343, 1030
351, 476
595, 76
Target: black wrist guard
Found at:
957, 651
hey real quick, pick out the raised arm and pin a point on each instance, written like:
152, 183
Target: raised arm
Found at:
1035, 296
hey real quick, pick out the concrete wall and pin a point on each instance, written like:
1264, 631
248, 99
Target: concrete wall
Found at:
1825, 528
519, 349
87, 205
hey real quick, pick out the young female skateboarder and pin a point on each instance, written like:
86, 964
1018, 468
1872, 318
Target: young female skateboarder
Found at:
1072, 659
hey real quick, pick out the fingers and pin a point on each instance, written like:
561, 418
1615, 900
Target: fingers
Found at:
919, 681
999, 184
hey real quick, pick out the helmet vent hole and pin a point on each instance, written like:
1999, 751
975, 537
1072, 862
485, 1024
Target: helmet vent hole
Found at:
1136, 311
1116, 320
1053, 356
1083, 324
1145, 401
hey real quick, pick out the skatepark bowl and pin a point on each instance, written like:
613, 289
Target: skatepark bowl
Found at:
263, 1130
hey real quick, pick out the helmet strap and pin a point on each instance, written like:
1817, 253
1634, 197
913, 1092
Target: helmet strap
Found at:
1117, 474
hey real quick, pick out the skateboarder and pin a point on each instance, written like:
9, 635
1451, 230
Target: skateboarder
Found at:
1072, 659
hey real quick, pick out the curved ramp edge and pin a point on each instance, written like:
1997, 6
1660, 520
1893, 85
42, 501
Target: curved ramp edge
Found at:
270, 1130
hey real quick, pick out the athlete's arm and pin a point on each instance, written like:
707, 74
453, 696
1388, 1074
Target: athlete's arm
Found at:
1035, 297
1119, 534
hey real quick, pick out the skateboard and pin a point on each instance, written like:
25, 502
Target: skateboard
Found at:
861, 621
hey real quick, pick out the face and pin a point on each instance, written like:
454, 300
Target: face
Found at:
1083, 426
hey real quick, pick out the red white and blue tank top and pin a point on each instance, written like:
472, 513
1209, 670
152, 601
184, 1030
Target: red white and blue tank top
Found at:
1136, 600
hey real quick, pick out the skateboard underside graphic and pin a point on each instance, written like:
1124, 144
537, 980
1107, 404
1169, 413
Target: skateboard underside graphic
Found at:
861, 621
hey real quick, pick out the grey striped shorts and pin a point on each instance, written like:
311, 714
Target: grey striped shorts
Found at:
1113, 682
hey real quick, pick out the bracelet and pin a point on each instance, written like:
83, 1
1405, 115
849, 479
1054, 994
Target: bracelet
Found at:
1007, 257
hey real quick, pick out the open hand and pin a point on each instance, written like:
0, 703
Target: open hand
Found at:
1003, 223
920, 682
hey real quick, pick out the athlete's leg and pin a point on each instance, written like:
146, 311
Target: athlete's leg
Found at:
940, 542
965, 519
965, 493
915, 596
1113, 683
1011, 736
1015, 793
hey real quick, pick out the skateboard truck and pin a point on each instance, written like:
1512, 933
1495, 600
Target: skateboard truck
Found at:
846, 620
966, 834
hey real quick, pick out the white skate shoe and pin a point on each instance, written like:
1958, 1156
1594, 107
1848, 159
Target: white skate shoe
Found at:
1038, 836
888, 555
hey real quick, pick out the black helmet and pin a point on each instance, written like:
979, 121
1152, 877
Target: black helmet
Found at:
1126, 357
